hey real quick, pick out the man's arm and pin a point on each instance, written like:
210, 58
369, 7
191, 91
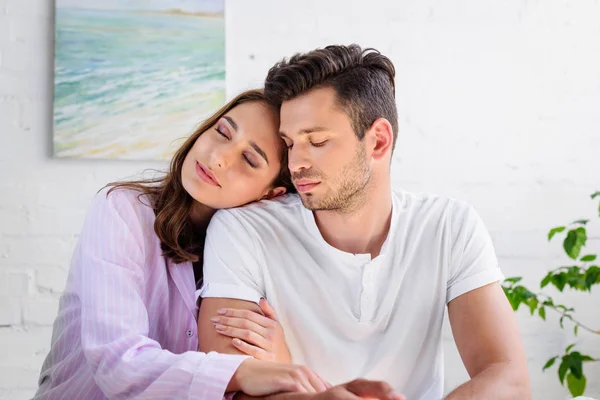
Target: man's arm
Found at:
232, 278
487, 337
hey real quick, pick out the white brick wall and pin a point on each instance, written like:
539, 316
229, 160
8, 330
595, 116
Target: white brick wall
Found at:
499, 105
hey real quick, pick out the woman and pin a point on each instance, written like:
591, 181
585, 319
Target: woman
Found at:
126, 326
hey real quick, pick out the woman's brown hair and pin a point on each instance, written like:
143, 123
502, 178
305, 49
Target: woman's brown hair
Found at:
172, 204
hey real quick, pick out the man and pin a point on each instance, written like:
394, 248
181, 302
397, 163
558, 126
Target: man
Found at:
360, 275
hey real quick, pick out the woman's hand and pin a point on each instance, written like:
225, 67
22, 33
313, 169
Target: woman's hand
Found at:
261, 378
356, 390
259, 336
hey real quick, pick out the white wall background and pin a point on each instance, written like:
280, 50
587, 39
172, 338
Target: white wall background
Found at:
499, 105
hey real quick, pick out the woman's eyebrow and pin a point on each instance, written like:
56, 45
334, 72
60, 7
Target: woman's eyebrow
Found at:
259, 151
253, 144
231, 122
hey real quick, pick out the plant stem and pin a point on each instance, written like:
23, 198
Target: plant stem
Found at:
576, 322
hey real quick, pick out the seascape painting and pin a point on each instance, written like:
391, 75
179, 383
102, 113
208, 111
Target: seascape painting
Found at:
135, 77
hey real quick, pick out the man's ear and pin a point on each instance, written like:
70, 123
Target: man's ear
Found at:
273, 192
381, 137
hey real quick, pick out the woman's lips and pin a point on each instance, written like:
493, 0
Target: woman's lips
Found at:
206, 174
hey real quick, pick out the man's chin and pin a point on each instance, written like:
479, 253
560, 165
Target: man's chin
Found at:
308, 201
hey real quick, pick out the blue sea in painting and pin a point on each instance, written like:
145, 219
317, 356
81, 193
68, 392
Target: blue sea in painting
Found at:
128, 84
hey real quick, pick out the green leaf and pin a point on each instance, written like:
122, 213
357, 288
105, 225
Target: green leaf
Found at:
576, 385
514, 279
562, 371
574, 241
587, 358
514, 299
592, 276
559, 280
575, 329
575, 364
588, 258
546, 280
595, 194
554, 231
533, 304
576, 278
542, 312
569, 347
581, 221
560, 322
549, 363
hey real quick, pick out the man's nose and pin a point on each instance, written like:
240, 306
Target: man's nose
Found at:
298, 159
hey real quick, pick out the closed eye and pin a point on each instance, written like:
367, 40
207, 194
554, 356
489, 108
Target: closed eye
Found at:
319, 144
220, 132
250, 162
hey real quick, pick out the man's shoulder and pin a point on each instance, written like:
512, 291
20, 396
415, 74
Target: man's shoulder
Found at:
280, 210
428, 202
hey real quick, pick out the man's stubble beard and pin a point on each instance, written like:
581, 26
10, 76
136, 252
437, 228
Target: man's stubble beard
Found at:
348, 190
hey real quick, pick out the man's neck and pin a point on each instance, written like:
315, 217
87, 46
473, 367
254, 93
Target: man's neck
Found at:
361, 230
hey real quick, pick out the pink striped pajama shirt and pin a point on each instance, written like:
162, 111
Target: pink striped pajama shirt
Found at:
126, 327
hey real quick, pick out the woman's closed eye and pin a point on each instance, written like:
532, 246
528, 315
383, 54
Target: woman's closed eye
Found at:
222, 132
250, 161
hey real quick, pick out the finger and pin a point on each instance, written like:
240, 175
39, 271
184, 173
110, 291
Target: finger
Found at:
254, 351
267, 309
341, 393
245, 335
316, 382
366, 388
247, 314
242, 324
301, 377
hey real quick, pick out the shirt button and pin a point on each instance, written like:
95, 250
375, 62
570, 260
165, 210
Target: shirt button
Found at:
189, 332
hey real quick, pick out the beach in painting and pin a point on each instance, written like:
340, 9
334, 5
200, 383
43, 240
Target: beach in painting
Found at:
132, 83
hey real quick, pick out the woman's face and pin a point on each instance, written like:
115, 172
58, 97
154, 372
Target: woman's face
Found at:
235, 161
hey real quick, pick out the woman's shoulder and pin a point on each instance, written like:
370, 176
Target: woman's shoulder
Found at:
128, 203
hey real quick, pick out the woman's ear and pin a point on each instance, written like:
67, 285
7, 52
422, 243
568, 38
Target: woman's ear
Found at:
273, 192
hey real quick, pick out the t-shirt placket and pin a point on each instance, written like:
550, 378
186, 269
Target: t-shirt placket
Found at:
368, 293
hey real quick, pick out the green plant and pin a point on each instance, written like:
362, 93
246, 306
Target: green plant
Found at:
580, 275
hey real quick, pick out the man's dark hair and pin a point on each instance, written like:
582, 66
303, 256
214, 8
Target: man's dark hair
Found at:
363, 81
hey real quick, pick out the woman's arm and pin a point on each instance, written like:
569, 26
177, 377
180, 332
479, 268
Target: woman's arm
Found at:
109, 281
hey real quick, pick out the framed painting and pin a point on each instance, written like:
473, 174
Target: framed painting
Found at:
134, 77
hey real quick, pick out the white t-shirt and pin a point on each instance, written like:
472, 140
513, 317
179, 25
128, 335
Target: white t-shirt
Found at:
347, 315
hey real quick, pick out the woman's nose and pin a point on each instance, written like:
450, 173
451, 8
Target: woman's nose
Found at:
222, 158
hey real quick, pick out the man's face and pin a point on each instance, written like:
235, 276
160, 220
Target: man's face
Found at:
329, 164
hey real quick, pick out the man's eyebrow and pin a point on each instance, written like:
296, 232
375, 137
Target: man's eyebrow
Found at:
305, 131
231, 122
259, 151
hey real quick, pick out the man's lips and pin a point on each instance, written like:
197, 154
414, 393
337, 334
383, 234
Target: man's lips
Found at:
305, 185
206, 174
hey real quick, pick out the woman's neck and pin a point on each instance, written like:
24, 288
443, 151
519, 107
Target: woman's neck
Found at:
200, 215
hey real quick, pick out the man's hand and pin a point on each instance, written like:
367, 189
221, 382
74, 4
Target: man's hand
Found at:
355, 390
